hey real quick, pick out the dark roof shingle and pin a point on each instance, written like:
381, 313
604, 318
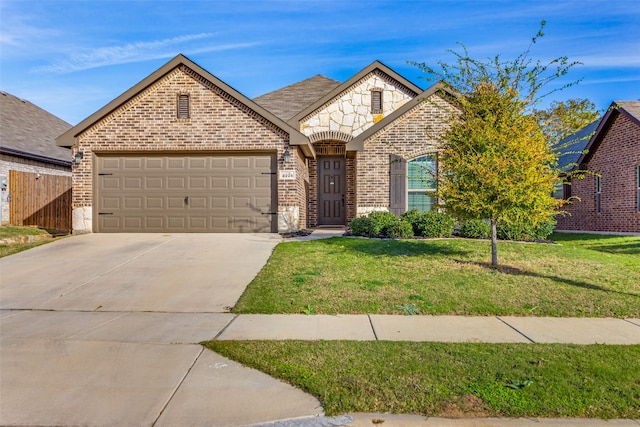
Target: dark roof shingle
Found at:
28, 129
290, 100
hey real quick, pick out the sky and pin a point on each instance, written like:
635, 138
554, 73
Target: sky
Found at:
73, 57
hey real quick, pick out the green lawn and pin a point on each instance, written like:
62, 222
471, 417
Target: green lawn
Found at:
454, 380
8, 231
581, 275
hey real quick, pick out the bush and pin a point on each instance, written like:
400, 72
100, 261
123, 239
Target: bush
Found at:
381, 224
401, 229
475, 229
525, 231
381, 221
430, 223
360, 226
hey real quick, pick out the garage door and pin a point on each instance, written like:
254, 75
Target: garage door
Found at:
186, 193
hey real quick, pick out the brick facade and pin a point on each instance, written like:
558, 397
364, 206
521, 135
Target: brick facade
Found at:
616, 159
218, 122
8, 163
411, 135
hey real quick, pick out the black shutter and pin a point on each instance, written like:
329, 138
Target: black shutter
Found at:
397, 184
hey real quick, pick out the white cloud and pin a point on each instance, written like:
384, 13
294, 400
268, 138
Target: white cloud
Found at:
136, 52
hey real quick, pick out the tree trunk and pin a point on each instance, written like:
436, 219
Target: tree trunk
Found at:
494, 242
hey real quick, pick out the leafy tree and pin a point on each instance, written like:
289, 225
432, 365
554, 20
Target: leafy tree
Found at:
497, 160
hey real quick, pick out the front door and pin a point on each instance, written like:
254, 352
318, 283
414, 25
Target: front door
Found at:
331, 190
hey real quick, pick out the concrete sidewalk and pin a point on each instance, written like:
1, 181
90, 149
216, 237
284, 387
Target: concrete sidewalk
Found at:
504, 329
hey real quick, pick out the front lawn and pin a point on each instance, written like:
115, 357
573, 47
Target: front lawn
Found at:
581, 275
453, 379
13, 232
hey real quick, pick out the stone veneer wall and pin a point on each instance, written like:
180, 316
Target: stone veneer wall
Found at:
616, 159
410, 136
350, 112
8, 163
148, 123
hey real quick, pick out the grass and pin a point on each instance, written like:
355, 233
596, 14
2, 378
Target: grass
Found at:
454, 379
583, 276
8, 231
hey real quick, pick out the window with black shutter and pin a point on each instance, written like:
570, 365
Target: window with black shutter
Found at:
183, 106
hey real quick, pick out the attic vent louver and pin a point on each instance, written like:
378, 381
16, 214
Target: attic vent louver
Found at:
376, 101
183, 106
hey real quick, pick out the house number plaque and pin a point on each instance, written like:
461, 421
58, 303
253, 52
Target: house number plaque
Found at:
288, 174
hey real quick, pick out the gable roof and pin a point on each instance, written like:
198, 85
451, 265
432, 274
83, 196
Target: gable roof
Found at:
573, 146
290, 100
28, 131
357, 144
629, 108
295, 137
375, 65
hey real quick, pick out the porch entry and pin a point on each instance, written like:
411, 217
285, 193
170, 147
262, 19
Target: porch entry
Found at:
331, 190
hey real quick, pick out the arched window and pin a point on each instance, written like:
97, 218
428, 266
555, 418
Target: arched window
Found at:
422, 182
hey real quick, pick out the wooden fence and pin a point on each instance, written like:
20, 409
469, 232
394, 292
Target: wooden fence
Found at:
41, 200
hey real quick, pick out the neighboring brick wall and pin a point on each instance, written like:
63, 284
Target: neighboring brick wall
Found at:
616, 159
8, 163
218, 122
410, 136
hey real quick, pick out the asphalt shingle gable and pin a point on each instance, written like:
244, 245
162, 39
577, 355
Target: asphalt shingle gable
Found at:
29, 129
290, 100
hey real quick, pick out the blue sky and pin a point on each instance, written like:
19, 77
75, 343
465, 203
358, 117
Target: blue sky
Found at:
73, 57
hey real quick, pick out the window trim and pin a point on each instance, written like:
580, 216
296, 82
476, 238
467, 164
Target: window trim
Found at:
598, 194
638, 189
427, 191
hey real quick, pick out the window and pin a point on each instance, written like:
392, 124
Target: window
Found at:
421, 188
598, 194
376, 101
183, 106
638, 188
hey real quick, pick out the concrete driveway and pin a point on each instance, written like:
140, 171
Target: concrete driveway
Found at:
102, 330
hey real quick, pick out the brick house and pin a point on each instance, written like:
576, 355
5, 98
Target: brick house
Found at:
27, 144
182, 151
610, 200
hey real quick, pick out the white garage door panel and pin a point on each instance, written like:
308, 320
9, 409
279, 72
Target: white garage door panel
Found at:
194, 193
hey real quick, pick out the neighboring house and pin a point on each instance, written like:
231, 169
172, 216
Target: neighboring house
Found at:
27, 143
182, 151
607, 199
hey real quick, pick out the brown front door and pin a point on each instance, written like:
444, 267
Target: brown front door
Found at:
331, 189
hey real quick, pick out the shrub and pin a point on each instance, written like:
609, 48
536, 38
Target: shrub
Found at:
475, 229
525, 231
360, 226
430, 223
401, 229
381, 221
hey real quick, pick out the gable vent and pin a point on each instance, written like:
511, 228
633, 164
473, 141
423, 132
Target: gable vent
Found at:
183, 106
376, 101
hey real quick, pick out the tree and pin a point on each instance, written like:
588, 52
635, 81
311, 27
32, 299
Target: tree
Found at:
497, 161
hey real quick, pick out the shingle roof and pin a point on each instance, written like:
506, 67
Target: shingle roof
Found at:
631, 107
29, 131
589, 137
571, 147
290, 100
